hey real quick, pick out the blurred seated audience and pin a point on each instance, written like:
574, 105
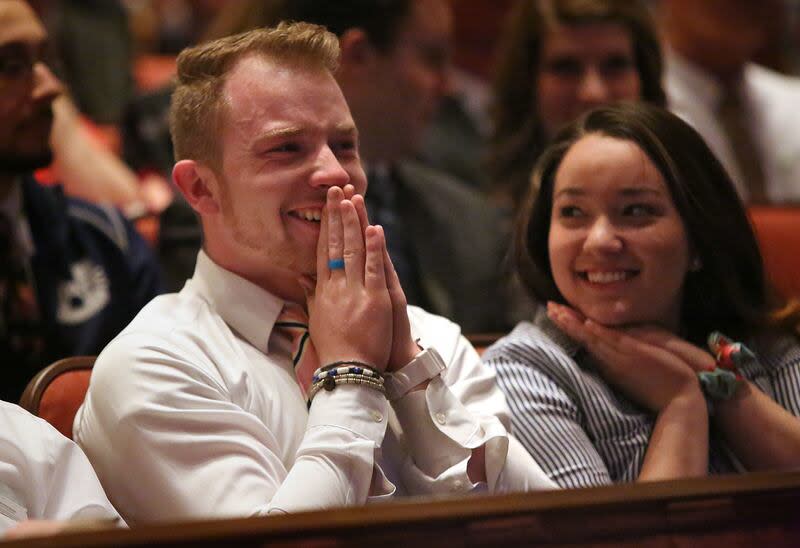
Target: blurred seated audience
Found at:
456, 138
85, 139
165, 27
72, 274
661, 353
45, 480
746, 112
558, 59
94, 48
89, 169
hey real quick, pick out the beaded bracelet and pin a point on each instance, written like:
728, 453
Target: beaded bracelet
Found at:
332, 382
321, 373
354, 363
329, 383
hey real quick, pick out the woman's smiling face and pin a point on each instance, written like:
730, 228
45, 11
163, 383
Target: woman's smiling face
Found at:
618, 248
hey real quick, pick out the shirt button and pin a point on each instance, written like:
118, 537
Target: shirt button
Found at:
457, 485
376, 416
441, 418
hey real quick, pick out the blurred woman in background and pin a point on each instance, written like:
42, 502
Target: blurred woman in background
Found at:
559, 59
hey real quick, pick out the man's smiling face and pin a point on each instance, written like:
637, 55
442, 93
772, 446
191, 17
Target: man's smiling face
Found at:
287, 136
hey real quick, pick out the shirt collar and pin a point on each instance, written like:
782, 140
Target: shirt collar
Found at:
570, 346
474, 96
700, 85
247, 309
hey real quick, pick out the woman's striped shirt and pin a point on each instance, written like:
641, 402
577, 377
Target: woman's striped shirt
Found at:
582, 431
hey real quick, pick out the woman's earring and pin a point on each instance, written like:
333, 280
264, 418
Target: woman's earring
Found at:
696, 265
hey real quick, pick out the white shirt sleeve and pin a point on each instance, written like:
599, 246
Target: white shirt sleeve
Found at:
459, 411
47, 473
169, 424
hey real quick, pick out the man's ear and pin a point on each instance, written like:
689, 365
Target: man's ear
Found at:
357, 52
199, 185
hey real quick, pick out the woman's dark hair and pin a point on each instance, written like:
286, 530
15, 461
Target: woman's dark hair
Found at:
518, 133
728, 293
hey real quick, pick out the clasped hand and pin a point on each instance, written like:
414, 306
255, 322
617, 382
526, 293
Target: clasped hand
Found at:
357, 312
651, 365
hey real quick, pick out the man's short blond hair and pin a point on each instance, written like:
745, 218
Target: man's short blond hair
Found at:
198, 103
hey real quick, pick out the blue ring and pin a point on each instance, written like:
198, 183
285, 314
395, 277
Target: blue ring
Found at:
336, 264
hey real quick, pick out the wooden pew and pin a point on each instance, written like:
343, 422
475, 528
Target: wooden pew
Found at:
751, 510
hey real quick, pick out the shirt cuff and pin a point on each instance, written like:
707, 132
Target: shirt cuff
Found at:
440, 431
359, 409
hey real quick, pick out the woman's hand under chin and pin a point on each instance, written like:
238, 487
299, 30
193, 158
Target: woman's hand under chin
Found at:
649, 364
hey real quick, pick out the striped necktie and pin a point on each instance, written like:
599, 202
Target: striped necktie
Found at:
292, 323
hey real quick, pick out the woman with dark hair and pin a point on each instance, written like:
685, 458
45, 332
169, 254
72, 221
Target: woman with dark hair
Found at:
635, 238
559, 59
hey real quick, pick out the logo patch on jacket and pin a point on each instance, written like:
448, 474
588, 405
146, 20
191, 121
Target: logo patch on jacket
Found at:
84, 295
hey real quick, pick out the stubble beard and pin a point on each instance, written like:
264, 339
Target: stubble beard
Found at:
282, 256
285, 255
16, 162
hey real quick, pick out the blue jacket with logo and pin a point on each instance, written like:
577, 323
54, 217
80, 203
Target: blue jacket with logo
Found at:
92, 272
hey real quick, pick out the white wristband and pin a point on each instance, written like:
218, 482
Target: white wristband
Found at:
425, 365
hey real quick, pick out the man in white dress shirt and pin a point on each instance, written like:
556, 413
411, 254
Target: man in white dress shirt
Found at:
195, 409
45, 479
747, 113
